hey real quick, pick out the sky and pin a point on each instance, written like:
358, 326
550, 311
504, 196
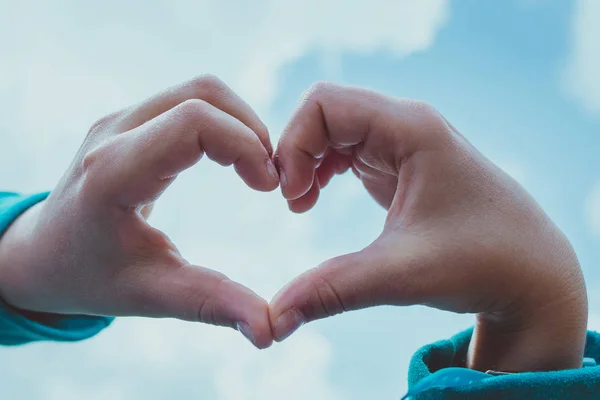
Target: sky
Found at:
518, 78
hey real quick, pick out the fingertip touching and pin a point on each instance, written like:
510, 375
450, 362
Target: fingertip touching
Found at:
296, 171
259, 175
246, 312
348, 282
308, 200
328, 117
313, 295
200, 294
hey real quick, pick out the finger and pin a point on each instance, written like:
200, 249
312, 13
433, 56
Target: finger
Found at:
198, 294
140, 165
367, 278
341, 117
382, 187
208, 88
307, 201
333, 164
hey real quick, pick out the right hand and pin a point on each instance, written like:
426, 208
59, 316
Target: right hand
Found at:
88, 248
460, 234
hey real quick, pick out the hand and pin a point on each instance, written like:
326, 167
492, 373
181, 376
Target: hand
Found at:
88, 249
460, 234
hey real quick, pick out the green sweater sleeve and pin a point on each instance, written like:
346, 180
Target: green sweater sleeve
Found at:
21, 326
582, 383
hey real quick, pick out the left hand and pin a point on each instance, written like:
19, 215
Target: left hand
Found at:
460, 234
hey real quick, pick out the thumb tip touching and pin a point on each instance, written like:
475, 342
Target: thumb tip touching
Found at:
347, 282
260, 341
287, 323
313, 295
337, 285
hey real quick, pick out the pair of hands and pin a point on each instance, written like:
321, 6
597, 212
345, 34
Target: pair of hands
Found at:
460, 234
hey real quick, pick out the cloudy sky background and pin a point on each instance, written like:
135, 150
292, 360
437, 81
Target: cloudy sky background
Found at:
519, 78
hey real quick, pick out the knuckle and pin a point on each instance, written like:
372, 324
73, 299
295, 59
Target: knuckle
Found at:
208, 85
207, 303
191, 119
209, 80
103, 124
194, 109
427, 112
94, 161
328, 297
424, 108
206, 312
97, 156
427, 120
317, 90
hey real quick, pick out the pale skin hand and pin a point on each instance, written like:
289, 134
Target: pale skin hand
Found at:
88, 249
460, 234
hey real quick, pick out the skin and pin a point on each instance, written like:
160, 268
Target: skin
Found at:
88, 249
460, 234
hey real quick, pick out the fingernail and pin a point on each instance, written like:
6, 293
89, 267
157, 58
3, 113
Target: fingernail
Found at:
272, 170
287, 323
245, 330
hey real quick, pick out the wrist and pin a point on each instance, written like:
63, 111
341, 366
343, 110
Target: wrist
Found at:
15, 249
548, 335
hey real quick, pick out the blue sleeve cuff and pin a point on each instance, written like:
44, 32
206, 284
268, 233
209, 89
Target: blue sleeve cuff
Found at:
435, 373
12, 205
22, 326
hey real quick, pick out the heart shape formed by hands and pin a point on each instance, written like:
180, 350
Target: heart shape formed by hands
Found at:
460, 234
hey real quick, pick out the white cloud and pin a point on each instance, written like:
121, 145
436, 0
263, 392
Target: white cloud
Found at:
593, 210
157, 359
581, 78
63, 65
298, 369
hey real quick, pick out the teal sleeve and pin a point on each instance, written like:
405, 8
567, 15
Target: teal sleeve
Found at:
440, 359
21, 326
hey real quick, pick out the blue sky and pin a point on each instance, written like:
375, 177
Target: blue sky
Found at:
496, 72
516, 77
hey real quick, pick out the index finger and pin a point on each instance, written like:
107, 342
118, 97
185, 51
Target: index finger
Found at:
208, 88
384, 130
142, 163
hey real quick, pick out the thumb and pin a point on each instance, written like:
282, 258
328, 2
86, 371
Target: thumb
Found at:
200, 294
371, 277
